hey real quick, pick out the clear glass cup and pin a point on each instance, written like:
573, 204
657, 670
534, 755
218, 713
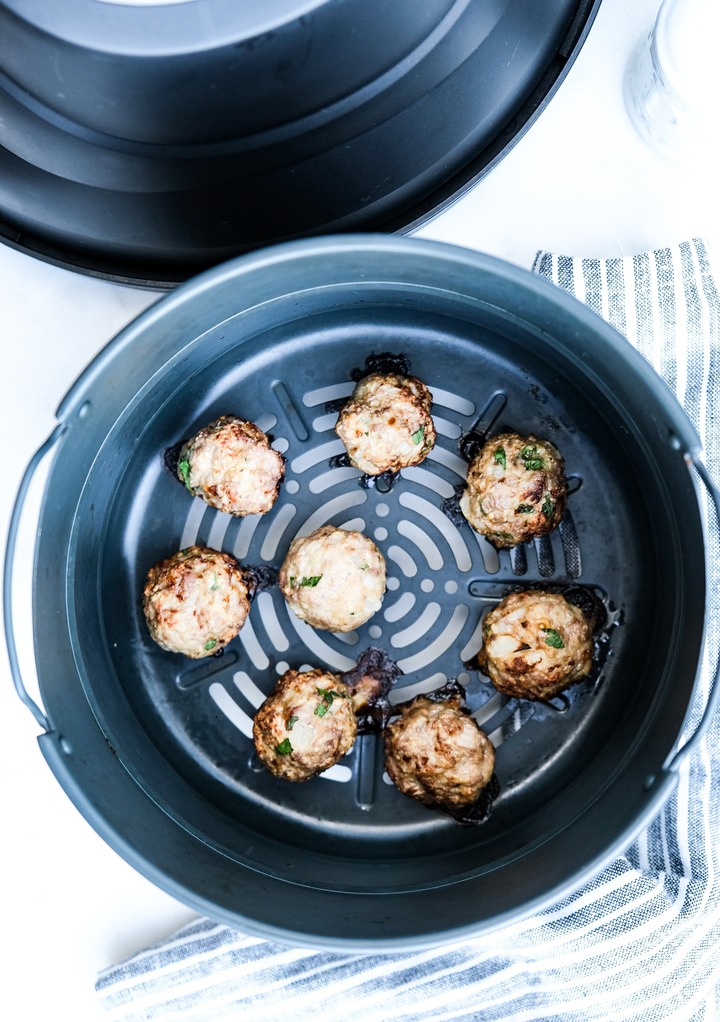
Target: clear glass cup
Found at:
672, 86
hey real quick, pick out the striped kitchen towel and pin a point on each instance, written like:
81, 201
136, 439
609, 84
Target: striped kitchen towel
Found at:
637, 943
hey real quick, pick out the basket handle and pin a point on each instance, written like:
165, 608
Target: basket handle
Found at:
10, 554
714, 697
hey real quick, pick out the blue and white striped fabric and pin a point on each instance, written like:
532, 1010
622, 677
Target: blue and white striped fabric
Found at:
638, 943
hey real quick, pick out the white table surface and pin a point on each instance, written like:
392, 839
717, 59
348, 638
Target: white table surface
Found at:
581, 181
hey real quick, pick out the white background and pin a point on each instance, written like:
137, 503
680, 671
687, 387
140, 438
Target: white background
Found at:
581, 181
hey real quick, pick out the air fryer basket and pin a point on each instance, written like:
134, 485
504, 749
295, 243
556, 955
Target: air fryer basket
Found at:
156, 750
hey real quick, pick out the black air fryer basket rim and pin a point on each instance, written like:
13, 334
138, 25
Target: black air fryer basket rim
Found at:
362, 244
106, 809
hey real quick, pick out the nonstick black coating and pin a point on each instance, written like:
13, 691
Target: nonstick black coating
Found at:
278, 339
184, 135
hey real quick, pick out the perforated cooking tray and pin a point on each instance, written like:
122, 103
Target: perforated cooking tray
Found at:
156, 749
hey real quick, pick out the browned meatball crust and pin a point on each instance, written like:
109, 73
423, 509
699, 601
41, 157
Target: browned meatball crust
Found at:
232, 467
196, 601
333, 578
516, 489
437, 754
535, 645
306, 725
386, 425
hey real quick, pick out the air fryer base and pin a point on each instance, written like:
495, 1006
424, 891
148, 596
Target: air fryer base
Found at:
185, 135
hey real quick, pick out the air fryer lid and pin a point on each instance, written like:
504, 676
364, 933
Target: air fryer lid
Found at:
156, 750
150, 142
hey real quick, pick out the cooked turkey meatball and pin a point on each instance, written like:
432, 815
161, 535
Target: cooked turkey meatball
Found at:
231, 466
515, 489
333, 578
535, 645
306, 725
386, 425
436, 753
196, 601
